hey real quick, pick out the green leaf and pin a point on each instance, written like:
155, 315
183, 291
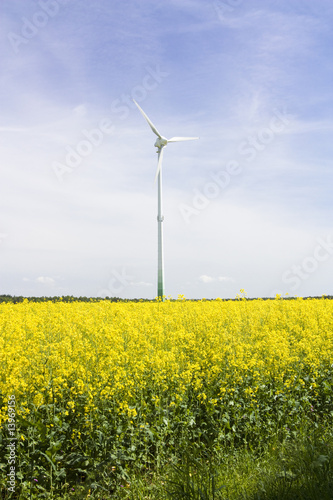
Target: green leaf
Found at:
49, 459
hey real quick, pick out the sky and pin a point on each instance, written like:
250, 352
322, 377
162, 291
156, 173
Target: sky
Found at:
247, 206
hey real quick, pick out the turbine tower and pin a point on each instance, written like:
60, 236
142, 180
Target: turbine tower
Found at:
160, 144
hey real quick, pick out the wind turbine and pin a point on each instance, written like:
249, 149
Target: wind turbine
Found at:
160, 144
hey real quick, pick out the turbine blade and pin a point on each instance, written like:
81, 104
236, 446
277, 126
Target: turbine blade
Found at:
178, 139
152, 126
159, 163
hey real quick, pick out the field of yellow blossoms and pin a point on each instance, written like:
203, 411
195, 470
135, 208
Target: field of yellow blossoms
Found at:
102, 387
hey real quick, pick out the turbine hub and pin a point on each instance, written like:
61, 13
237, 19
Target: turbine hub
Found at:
161, 142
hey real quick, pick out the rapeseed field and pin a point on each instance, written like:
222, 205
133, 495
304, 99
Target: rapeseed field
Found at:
105, 388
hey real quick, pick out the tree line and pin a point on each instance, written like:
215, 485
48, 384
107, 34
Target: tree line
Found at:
16, 299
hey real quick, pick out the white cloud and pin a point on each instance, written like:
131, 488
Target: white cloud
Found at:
45, 280
209, 279
80, 110
206, 279
140, 283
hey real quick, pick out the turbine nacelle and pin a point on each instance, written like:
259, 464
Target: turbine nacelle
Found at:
161, 142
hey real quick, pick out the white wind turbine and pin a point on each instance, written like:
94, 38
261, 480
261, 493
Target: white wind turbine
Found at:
160, 144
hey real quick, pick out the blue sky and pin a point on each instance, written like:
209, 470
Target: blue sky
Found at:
248, 206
